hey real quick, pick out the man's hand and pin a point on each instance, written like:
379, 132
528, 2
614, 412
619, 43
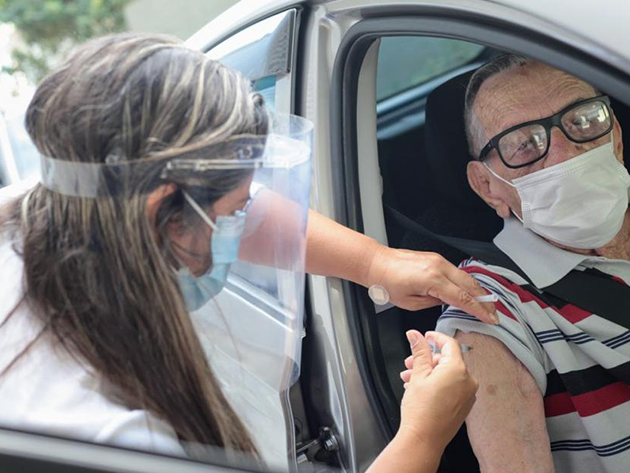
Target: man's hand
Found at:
416, 280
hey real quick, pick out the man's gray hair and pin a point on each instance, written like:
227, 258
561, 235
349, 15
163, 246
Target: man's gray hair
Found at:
474, 130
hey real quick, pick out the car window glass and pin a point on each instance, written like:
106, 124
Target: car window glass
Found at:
405, 62
248, 347
262, 53
259, 50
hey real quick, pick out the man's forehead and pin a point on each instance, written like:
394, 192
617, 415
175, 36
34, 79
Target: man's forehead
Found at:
524, 93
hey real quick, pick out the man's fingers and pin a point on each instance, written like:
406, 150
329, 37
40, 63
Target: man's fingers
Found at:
421, 352
409, 362
453, 294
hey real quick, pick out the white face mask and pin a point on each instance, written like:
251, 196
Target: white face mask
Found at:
580, 203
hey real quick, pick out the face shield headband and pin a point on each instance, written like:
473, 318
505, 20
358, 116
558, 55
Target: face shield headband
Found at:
115, 177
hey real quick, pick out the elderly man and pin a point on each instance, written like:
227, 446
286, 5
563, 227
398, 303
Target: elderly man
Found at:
554, 389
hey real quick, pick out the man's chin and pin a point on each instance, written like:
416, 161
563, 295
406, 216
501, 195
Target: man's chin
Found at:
617, 248
580, 251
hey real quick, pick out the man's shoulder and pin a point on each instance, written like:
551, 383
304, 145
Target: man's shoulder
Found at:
482, 271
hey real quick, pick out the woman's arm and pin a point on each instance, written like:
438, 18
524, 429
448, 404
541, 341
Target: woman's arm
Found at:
406, 454
415, 280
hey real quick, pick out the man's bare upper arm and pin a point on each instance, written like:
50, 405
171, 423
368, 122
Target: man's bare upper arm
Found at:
506, 426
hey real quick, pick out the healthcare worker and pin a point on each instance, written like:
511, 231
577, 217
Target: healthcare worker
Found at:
162, 173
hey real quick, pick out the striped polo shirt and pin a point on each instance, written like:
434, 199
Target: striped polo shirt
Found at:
580, 361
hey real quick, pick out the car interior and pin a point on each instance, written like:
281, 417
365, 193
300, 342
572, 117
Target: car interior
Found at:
423, 170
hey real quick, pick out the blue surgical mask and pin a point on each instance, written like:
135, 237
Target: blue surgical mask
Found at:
224, 245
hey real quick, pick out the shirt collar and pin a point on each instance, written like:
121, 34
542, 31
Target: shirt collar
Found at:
544, 263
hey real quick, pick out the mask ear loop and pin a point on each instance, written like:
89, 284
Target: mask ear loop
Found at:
170, 243
199, 210
212, 225
497, 176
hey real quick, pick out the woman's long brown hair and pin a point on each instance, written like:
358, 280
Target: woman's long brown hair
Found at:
97, 270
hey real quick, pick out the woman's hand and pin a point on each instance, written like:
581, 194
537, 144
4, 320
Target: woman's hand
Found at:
439, 391
439, 394
416, 280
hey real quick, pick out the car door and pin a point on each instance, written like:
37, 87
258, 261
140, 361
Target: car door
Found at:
28, 452
340, 65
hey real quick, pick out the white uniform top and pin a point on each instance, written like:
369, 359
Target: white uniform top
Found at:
49, 391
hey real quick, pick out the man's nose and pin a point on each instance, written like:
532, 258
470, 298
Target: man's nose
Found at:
562, 149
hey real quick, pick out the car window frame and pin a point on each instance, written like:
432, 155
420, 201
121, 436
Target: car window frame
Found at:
25, 451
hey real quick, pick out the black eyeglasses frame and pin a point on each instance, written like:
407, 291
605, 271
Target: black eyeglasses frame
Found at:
548, 123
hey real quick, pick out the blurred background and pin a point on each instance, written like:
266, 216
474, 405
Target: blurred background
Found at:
37, 35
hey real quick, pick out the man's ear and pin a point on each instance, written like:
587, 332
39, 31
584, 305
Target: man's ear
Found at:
619, 137
479, 179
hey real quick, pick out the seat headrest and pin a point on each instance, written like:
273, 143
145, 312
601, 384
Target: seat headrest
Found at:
622, 113
446, 145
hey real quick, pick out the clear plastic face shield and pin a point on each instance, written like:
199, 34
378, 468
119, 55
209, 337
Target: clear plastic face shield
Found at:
241, 265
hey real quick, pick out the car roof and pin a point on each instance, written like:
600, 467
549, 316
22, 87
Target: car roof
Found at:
596, 30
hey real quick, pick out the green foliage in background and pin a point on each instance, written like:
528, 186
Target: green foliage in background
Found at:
50, 28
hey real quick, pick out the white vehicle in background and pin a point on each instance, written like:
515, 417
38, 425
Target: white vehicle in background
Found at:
368, 73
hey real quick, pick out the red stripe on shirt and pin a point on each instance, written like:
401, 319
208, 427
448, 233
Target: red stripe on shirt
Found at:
573, 313
587, 404
570, 312
602, 399
504, 310
558, 404
617, 278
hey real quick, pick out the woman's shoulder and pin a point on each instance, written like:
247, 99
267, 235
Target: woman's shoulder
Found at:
45, 389
141, 430
49, 391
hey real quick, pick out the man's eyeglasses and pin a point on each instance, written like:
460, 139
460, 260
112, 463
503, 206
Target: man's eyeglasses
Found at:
528, 142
